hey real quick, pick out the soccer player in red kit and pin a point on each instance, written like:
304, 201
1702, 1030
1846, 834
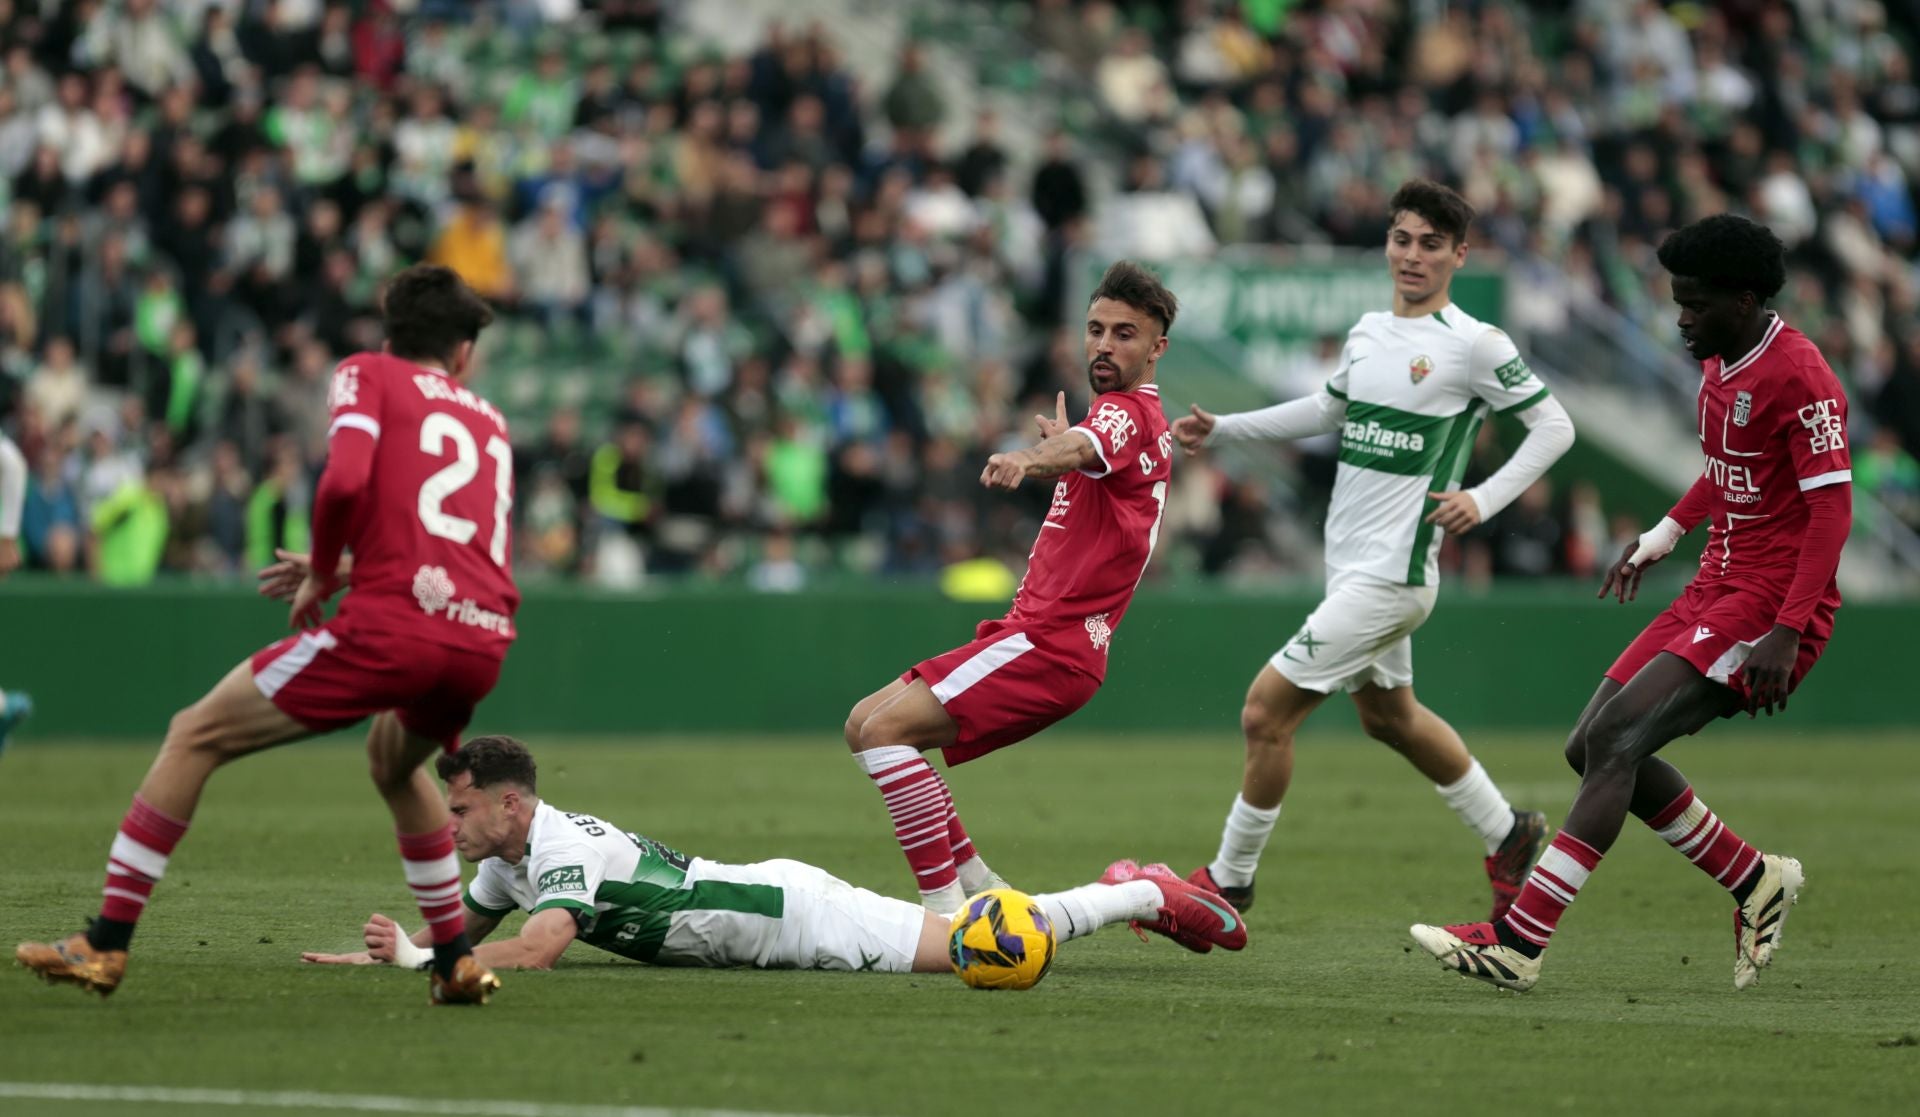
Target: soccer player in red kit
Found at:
418, 485
1776, 492
1046, 657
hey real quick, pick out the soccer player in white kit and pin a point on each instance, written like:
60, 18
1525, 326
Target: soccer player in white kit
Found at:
1410, 392
583, 878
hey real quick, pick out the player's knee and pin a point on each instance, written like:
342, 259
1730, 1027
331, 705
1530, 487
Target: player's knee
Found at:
855, 719
1263, 728
192, 732
1576, 751
1387, 727
1611, 744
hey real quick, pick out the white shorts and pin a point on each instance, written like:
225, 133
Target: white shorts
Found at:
829, 924
1361, 633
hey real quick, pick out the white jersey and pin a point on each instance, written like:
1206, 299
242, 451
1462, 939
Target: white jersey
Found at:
1416, 391
632, 896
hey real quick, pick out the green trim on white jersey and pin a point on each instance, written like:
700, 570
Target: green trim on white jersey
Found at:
1417, 390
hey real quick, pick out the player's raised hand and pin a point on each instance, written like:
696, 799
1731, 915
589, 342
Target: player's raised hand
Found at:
1192, 431
1056, 425
1769, 670
1623, 577
1005, 471
281, 580
1457, 512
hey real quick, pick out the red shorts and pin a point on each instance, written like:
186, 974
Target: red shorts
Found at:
328, 679
1000, 689
1714, 628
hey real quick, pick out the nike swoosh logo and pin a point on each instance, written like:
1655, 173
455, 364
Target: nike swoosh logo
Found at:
1226, 916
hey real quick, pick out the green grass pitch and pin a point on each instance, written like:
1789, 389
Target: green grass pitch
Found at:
1326, 1011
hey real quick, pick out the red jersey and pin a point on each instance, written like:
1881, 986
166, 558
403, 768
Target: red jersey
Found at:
1097, 537
1773, 425
430, 534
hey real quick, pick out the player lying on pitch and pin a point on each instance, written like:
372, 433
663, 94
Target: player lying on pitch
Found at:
586, 879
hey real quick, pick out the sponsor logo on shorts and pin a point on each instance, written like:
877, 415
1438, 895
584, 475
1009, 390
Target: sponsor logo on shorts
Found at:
1702, 633
567, 878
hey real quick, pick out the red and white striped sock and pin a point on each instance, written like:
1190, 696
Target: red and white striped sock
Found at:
957, 839
138, 860
1550, 887
433, 875
921, 807
1690, 826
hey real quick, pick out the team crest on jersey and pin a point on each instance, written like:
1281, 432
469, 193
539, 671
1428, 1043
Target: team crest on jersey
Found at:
1099, 631
432, 588
1421, 366
1742, 408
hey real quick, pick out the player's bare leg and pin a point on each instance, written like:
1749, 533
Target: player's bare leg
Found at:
397, 760
887, 731
1273, 712
232, 720
1513, 839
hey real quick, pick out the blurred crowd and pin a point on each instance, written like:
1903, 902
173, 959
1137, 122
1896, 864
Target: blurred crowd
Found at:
761, 321
1582, 131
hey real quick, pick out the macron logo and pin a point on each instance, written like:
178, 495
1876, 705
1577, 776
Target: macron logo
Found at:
1702, 633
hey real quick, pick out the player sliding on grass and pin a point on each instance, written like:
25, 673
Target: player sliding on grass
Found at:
1407, 398
1778, 497
1046, 657
419, 485
586, 879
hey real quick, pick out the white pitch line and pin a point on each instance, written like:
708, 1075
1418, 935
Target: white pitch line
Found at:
349, 1103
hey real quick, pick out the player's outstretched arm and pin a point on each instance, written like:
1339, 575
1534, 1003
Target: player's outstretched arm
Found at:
1320, 413
540, 943
1070, 450
388, 944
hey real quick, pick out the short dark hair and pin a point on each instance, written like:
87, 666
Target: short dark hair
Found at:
1728, 252
1128, 282
1440, 206
490, 760
429, 311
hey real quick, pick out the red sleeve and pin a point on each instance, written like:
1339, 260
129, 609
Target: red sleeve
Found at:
354, 400
1113, 423
1829, 516
1693, 505
1816, 428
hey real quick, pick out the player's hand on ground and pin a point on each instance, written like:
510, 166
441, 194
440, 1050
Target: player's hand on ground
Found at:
1768, 670
281, 580
382, 937
1623, 577
357, 958
1458, 512
1005, 471
9, 556
1192, 431
1056, 425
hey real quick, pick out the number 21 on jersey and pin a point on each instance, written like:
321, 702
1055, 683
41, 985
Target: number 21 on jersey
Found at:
436, 432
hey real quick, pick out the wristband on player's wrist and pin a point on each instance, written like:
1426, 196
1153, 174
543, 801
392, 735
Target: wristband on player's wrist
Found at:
407, 956
1657, 542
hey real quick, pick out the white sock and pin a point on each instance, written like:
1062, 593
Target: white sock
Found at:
944, 901
878, 760
1081, 911
976, 877
1241, 842
1480, 805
